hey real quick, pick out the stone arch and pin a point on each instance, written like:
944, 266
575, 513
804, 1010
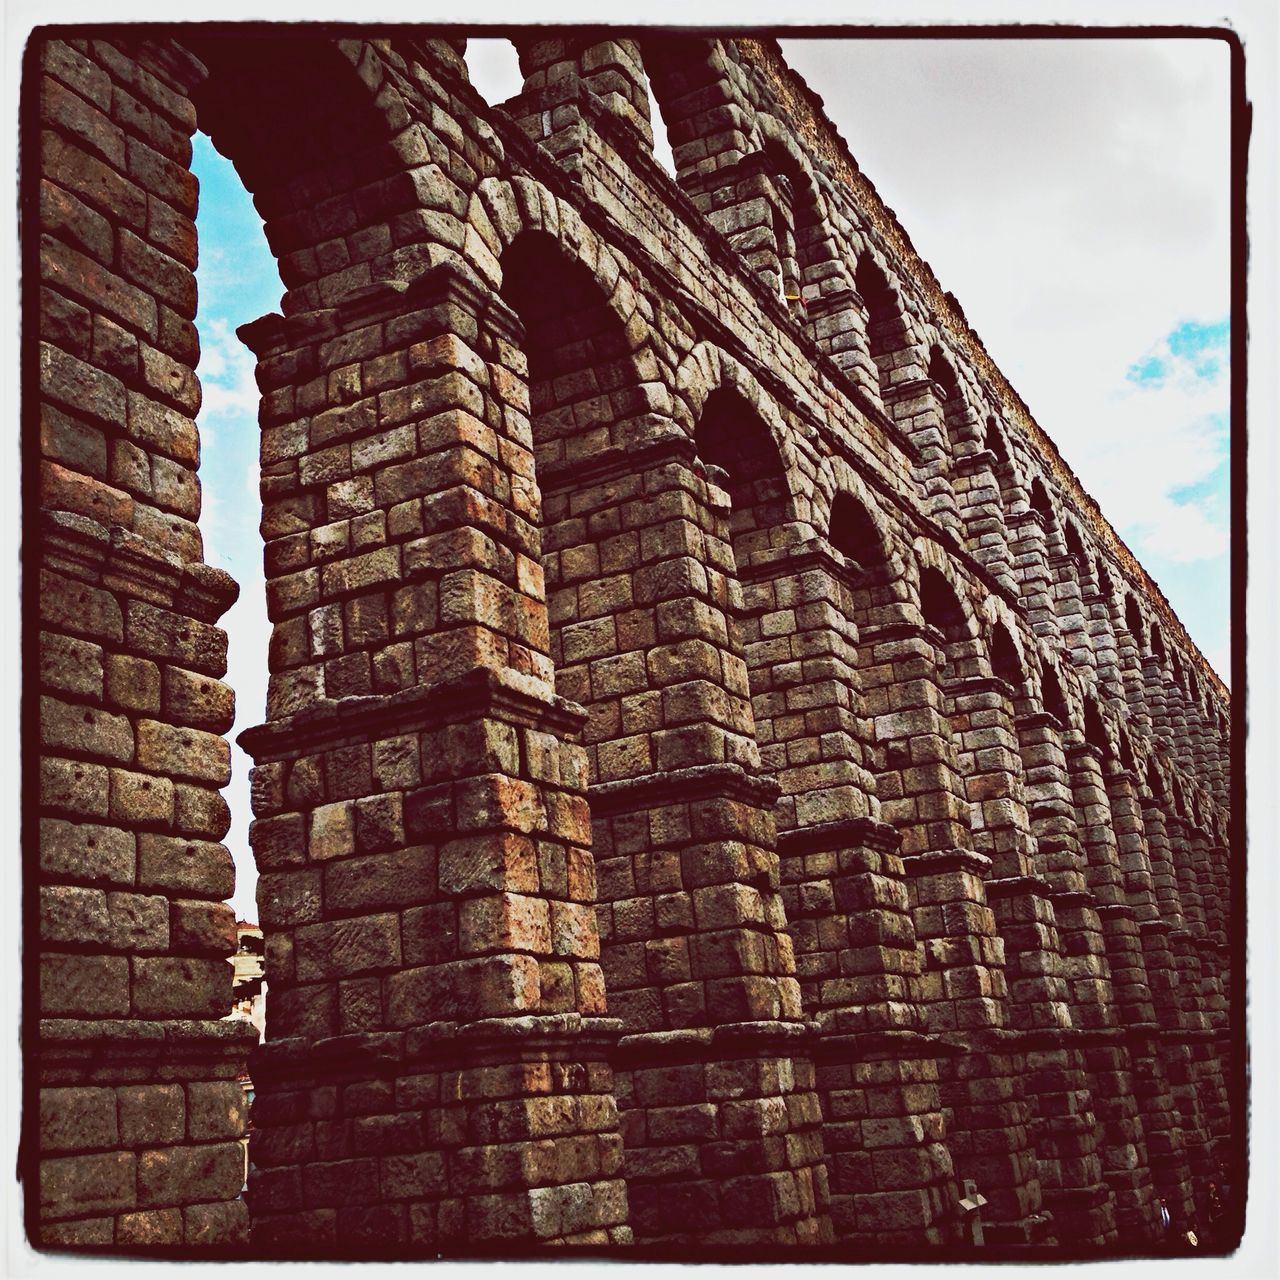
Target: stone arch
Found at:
954, 408
1157, 643
1005, 466
930, 556
581, 346
1094, 728
854, 530
517, 205
1075, 543
1053, 695
802, 228
1106, 582
1006, 659
1125, 750
1042, 504
1156, 781
708, 369
732, 438
942, 608
1134, 621
888, 326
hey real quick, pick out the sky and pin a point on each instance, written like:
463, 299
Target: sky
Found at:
1072, 194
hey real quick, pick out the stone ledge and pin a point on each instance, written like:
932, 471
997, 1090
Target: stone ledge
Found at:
1116, 910
447, 283
842, 833
120, 1039
124, 562
940, 861
754, 1039
680, 786
616, 461
443, 1044
779, 562
504, 694
1028, 1039
1012, 886
858, 1046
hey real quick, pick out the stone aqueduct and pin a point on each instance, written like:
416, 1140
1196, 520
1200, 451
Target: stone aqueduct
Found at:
723, 781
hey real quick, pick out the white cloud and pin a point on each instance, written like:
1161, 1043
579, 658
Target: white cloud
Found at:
226, 374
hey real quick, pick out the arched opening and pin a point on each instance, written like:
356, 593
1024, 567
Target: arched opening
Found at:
940, 606
238, 282
1133, 620
265, 166
886, 330
1055, 702
580, 371
1005, 662
1075, 544
580, 375
493, 67
1095, 732
1041, 503
731, 435
853, 533
943, 374
1006, 481
1155, 781
1106, 587
994, 442
1157, 642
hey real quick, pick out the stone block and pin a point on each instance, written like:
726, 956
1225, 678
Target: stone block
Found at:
77, 1119
190, 1174
151, 1115
77, 1186
84, 986
215, 1110
181, 987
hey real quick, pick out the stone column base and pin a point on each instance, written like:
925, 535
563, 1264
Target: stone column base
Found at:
723, 1136
451, 1138
141, 1135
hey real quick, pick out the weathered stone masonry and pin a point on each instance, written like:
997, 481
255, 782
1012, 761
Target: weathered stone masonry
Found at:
723, 782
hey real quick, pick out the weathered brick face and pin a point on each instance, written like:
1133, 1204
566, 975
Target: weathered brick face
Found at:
722, 784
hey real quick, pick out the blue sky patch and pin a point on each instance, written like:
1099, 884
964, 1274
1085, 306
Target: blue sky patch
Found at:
1199, 348
1192, 338
1150, 370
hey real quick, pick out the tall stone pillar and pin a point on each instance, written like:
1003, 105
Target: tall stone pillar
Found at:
918, 406
134, 1135
1129, 647
981, 507
1157, 1060
1031, 568
843, 884
1126, 1161
436, 1074
1192, 1066
1070, 609
559, 70
1073, 1140
714, 1077
1102, 637
837, 318
962, 986
1153, 684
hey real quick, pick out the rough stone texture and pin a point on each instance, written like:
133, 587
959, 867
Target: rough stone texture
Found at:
724, 784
